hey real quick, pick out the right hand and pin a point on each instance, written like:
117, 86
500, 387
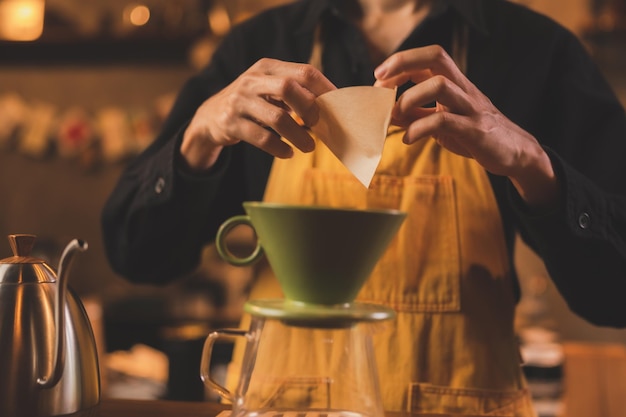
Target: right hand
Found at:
257, 108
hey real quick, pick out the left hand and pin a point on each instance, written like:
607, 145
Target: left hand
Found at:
465, 121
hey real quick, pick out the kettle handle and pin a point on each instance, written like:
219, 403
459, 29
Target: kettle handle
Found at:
205, 363
49, 381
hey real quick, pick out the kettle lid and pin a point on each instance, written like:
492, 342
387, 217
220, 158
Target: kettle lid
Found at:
21, 267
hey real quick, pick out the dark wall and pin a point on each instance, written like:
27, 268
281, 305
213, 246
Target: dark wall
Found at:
57, 198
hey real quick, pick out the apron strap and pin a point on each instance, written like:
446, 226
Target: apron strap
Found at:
460, 42
316, 52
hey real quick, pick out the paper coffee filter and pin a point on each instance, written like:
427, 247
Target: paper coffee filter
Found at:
353, 124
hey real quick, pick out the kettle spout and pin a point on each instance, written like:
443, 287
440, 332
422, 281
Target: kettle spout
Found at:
67, 257
49, 381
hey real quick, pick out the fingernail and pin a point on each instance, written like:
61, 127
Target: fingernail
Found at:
310, 146
380, 72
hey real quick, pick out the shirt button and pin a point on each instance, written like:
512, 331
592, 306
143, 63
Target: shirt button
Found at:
584, 220
159, 186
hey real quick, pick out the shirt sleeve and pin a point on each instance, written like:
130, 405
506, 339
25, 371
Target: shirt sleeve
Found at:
157, 213
583, 242
158, 218
582, 245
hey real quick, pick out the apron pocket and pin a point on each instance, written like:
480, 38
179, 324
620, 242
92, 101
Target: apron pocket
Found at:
420, 271
433, 399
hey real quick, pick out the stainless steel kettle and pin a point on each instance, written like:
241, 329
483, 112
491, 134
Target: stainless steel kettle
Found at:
48, 357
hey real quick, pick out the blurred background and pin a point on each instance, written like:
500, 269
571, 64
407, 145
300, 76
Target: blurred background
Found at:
84, 86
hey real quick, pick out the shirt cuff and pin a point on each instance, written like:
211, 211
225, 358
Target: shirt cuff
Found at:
580, 211
185, 174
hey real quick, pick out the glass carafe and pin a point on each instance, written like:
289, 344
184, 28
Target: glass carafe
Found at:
302, 367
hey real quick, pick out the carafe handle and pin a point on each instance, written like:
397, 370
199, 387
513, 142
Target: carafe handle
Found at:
205, 363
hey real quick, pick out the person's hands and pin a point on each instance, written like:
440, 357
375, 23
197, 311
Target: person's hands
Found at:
257, 108
465, 121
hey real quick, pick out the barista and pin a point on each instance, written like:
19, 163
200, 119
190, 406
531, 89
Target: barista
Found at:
525, 137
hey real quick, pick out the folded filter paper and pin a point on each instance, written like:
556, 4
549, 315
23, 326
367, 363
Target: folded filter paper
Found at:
353, 125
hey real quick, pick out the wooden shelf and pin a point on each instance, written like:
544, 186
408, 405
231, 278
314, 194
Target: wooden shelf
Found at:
98, 51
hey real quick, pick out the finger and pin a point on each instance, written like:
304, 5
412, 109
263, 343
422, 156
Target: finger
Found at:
263, 138
413, 61
306, 75
452, 131
302, 103
281, 122
295, 84
437, 89
285, 93
296, 135
288, 128
404, 119
402, 78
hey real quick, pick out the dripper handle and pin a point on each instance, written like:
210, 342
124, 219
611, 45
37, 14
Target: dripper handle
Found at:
222, 248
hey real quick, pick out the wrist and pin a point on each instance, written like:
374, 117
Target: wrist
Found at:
537, 183
197, 152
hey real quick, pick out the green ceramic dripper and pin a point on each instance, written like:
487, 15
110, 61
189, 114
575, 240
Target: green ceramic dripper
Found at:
320, 255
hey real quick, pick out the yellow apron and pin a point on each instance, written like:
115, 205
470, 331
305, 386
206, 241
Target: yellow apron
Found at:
452, 347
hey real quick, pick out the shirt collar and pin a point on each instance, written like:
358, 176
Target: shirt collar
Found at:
473, 12
316, 8
465, 8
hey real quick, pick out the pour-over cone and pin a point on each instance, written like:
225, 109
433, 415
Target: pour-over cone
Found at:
321, 255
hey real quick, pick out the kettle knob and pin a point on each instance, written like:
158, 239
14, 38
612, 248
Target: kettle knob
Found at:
22, 244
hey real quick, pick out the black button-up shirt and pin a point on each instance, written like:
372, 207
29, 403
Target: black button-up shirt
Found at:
537, 73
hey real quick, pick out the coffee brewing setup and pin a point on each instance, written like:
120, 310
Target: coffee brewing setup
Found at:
310, 352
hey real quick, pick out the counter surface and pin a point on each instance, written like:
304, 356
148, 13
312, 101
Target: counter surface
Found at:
158, 408
161, 408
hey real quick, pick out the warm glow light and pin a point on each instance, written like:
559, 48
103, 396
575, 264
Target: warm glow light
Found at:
136, 14
219, 21
21, 20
